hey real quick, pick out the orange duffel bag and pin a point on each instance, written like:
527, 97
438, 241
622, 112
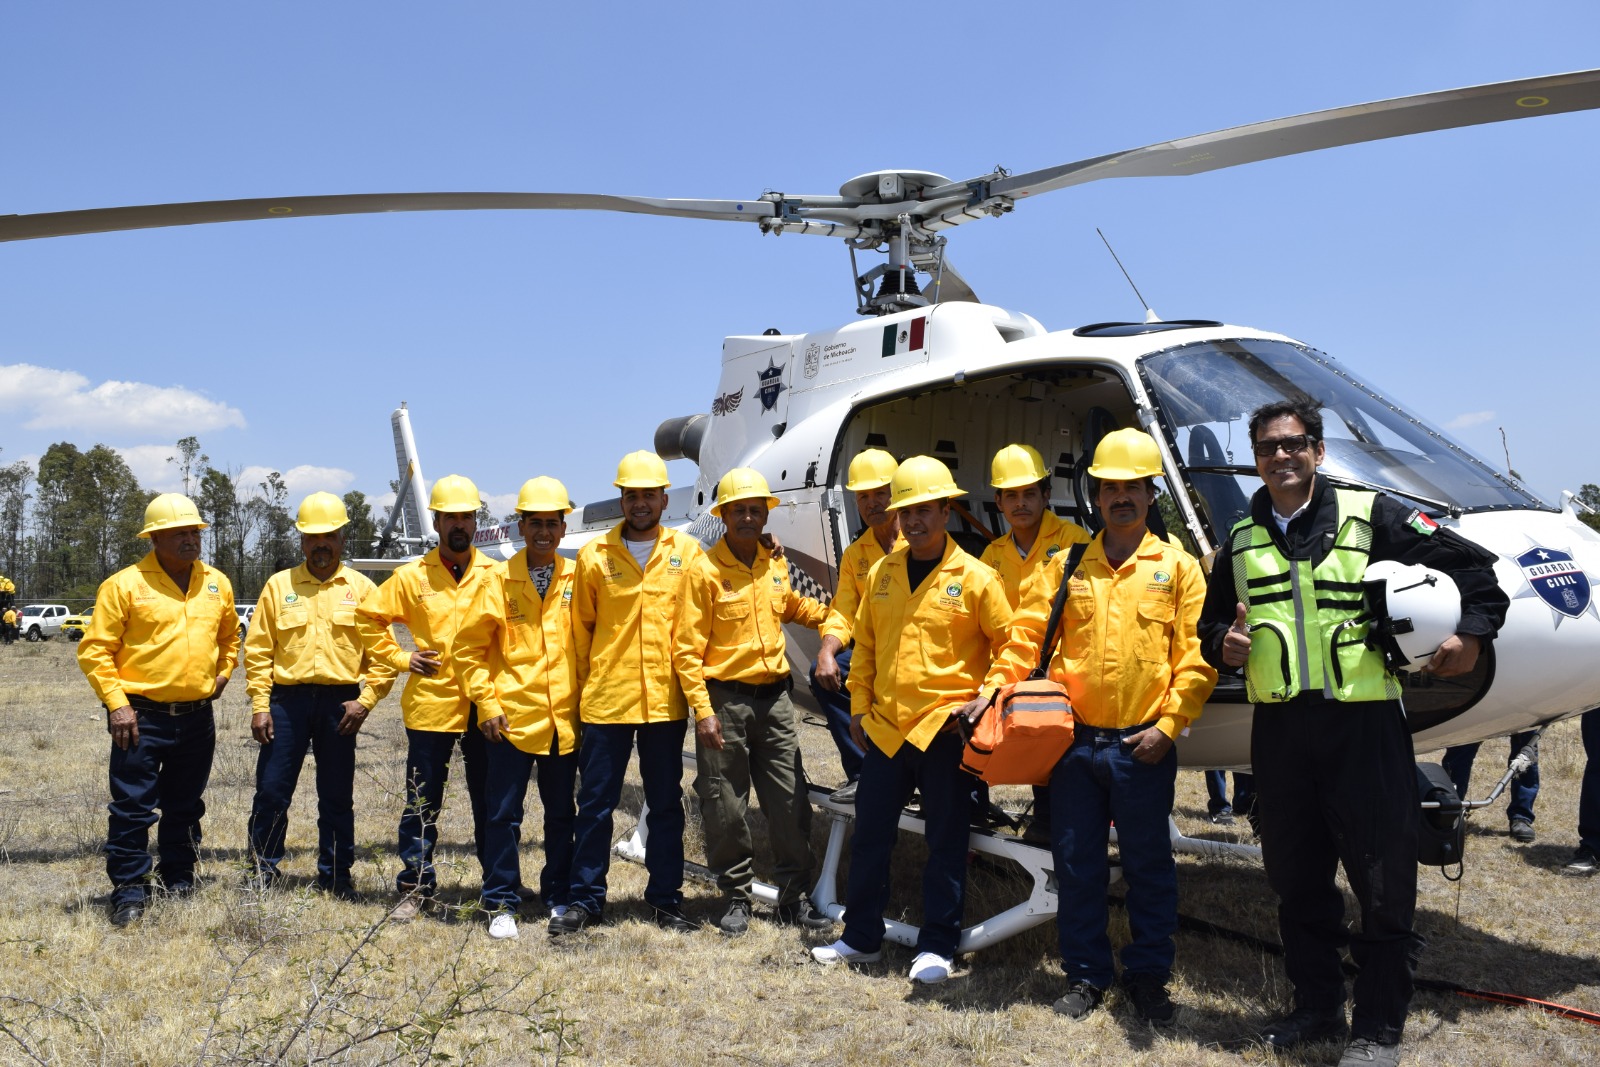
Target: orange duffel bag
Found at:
1022, 733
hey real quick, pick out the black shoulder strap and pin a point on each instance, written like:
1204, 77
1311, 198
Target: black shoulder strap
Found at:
1074, 557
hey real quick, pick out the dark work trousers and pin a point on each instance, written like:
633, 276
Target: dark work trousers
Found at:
1337, 783
1097, 783
760, 748
602, 763
886, 785
836, 709
1589, 791
427, 770
306, 718
1244, 793
167, 769
507, 787
1524, 790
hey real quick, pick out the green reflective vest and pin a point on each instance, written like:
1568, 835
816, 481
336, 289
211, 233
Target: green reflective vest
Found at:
1308, 624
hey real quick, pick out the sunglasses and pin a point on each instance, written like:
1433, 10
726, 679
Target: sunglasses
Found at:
1291, 446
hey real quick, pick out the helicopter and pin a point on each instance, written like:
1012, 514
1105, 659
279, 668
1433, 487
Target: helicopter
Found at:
928, 368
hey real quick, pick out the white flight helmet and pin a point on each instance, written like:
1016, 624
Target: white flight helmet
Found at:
1422, 607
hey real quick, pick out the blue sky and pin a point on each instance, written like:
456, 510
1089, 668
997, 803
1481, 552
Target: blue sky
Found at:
1455, 270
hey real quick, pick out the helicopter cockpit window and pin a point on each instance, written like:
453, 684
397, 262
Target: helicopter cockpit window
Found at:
1206, 391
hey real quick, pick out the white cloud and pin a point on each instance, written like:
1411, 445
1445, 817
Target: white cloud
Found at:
1469, 419
500, 504
57, 399
150, 464
299, 480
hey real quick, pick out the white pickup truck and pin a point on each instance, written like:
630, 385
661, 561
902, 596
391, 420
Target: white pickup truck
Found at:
41, 621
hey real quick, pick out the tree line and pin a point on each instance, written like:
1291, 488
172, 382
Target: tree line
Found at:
73, 520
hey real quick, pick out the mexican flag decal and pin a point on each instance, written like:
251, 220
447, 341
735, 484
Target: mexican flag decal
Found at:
902, 337
1422, 524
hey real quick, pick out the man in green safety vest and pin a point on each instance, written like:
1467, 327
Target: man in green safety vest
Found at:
1335, 772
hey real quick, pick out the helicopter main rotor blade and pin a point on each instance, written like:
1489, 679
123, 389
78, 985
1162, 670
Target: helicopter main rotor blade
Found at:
102, 220
1553, 94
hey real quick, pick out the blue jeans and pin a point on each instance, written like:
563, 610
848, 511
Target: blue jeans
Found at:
427, 771
1524, 790
1244, 793
886, 785
602, 762
836, 709
1589, 792
1098, 782
167, 769
507, 787
306, 717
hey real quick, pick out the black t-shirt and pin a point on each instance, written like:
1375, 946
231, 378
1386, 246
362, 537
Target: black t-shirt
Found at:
917, 570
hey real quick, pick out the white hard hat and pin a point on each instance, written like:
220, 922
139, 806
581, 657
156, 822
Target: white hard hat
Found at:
1422, 607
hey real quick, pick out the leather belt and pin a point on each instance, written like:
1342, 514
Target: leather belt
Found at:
182, 707
766, 689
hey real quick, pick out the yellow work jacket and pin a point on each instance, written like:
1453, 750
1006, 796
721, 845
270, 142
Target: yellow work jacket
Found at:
921, 654
1016, 570
858, 558
304, 633
624, 630
516, 657
149, 638
425, 596
1129, 652
731, 629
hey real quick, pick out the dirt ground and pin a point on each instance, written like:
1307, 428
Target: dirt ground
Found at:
235, 976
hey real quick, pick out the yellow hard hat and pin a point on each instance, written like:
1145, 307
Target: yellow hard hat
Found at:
742, 483
543, 494
1015, 466
321, 513
168, 511
920, 479
453, 493
642, 470
871, 469
1123, 455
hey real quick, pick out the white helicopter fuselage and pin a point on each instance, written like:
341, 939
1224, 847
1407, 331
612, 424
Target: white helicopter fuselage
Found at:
960, 380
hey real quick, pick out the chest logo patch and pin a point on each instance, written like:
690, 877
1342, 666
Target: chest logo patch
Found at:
291, 598
953, 589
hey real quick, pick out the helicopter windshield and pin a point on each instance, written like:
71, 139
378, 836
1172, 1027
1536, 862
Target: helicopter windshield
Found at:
1206, 391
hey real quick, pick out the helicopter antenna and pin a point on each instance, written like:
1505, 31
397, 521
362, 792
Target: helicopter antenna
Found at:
1149, 312
1507, 449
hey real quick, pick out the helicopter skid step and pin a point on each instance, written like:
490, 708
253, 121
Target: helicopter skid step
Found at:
1039, 907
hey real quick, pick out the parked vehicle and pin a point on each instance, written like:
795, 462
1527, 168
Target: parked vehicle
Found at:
42, 621
73, 626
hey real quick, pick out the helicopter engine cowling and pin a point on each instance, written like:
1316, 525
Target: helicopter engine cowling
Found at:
680, 438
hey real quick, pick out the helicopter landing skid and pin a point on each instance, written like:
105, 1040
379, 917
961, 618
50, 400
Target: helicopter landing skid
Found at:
1039, 907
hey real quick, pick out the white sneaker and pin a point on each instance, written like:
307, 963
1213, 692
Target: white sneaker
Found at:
839, 952
503, 926
930, 968
558, 910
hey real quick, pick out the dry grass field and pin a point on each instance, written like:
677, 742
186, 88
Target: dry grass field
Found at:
230, 976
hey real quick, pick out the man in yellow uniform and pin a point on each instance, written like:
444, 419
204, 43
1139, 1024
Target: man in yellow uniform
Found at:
1130, 658
868, 479
8, 625
311, 684
735, 673
431, 596
627, 594
1022, 494
516, 659
930, 622
160, 646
